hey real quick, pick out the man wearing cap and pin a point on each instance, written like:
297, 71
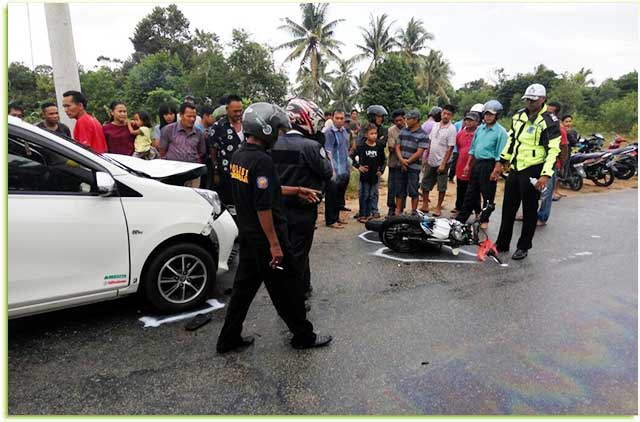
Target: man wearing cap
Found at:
530, 153
484, 155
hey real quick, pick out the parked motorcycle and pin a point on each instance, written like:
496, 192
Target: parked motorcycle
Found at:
411, 233
591, 144
624, 162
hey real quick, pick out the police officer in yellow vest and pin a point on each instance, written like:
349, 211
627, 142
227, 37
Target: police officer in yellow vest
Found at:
530, 154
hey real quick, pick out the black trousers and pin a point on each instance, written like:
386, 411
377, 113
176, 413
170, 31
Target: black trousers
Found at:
479, 183
334, 192
223, 188
518, 189
301, 223
461, 190
253, 269
452, 166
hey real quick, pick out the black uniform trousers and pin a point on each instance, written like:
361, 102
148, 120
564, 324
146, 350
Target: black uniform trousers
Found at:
301, 224
223, 188
281, 285
335, 191
479, 183
518, 188
451, 170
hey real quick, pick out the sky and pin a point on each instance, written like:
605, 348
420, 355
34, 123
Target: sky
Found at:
476, 38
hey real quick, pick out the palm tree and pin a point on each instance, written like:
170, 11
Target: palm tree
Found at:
433, 77
412, 40
583, 77
312, 38
318, 86
344, 87
378, 41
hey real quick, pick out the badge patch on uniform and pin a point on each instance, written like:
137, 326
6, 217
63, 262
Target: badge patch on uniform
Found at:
262, 182
531, 129
323, 153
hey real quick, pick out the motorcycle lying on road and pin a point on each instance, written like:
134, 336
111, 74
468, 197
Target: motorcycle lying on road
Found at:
411, 233
595, 166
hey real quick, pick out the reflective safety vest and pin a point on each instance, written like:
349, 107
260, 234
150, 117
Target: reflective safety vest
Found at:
532, 143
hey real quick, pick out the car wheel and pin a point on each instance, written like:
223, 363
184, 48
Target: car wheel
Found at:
179, 277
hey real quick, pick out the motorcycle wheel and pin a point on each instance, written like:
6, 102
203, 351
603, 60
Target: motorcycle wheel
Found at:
606, 179
394, 236
576, 182
624, 172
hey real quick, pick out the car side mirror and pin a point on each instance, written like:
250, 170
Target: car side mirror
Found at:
106, 184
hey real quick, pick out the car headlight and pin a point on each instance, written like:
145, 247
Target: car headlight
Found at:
212, 198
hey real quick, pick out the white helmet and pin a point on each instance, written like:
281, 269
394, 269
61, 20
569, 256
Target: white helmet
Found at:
478, 108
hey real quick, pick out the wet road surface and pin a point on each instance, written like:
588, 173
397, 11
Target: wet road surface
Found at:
553, 334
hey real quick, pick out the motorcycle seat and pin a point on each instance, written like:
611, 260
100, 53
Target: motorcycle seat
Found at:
578, 158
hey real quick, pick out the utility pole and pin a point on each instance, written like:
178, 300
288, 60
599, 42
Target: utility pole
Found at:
63, 54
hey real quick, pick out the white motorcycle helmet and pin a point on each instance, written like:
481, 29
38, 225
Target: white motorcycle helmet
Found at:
478, 108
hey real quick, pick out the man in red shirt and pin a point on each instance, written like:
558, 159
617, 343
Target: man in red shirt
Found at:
88, 131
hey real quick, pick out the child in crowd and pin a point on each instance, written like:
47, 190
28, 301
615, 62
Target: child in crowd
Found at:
141, 127
369, 159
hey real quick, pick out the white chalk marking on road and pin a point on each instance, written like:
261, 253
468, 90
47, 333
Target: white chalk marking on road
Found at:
156, 322
596, 237
460, 250
585, 253
380, 253
363, 237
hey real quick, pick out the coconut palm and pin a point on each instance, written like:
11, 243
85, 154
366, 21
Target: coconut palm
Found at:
583, 77
344, 87
433, 75
311, 39
316, 87
412, 41
378, 41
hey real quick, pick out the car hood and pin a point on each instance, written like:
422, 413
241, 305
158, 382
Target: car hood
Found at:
158, 169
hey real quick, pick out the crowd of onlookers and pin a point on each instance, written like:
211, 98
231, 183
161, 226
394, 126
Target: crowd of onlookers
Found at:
418, 154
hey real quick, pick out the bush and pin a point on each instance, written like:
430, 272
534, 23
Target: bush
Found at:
620, 115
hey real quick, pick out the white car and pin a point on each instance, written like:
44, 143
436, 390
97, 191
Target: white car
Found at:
84, 227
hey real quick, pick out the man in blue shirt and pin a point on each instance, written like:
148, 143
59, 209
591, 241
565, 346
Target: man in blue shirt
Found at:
337, 145
488, 142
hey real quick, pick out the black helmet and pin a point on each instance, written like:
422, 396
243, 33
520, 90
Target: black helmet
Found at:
376, 110
264, 121
435, 112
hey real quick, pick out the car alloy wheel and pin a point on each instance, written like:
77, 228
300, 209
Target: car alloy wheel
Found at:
182, 278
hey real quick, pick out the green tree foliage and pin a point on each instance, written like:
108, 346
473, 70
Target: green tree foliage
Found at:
159, 70
312, 38
344, 85
22, 85
378, 41
391, 84
101, 87
164, 29
432, 79
209, 76
253, 72
412, 40
620, 115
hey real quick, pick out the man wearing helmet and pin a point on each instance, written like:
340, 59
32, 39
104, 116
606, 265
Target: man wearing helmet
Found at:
484, 157
433, 117
531, 151
301, 161
265, 252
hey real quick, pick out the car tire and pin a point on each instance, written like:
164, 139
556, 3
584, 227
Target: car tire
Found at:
179, 277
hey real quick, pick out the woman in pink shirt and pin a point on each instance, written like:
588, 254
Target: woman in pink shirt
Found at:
463, 144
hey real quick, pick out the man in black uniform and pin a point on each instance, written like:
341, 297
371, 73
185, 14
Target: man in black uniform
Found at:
301, 161
265, 253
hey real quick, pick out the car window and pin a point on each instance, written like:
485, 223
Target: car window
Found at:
34, 168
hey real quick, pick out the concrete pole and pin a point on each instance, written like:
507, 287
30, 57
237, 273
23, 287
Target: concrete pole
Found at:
63, 54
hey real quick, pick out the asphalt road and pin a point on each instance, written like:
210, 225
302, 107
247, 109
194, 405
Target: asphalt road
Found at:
553, 334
